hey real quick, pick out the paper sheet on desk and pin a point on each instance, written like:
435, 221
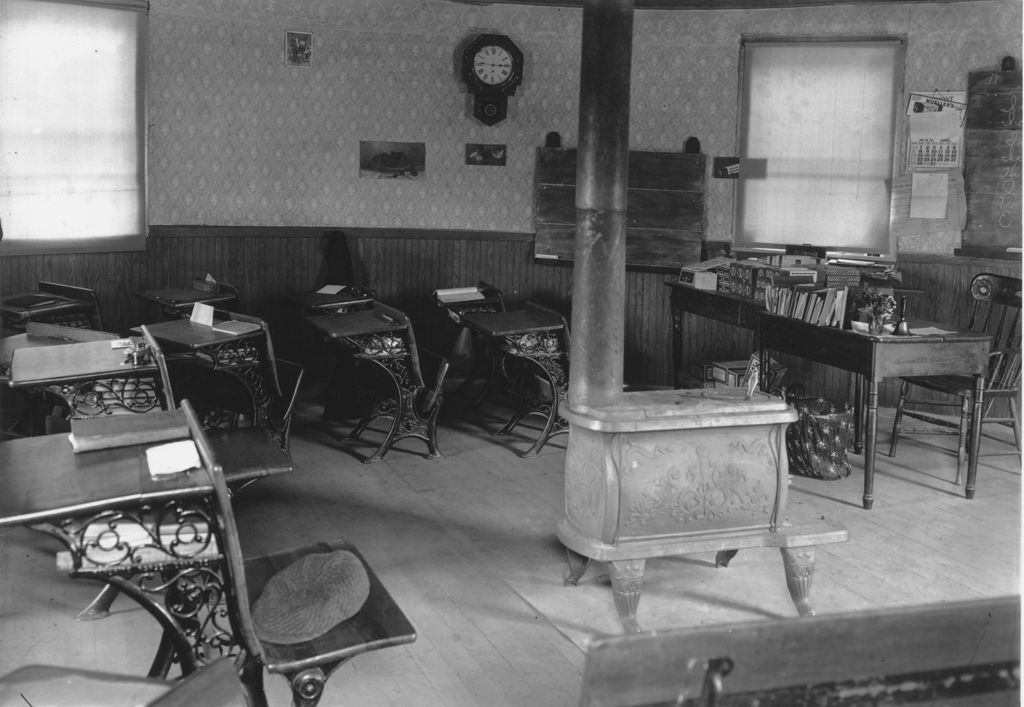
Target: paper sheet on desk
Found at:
930, 331
172, 458
202, 314
330, 289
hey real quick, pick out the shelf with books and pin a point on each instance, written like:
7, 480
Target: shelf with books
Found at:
822, 306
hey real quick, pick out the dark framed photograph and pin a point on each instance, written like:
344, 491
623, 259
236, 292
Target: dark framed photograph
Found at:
383, 159
298, 49
489, 155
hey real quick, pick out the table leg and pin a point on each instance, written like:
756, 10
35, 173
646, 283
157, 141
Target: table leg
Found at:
858, 414
974, 443
870, 434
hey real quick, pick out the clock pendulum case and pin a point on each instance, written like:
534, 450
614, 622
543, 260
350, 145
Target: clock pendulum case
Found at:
492, 67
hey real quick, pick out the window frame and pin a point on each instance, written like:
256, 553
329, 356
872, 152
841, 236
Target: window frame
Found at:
130, 241
874, 250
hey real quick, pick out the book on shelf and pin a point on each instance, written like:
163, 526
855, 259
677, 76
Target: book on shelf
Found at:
236, 327
109, 431
821, 306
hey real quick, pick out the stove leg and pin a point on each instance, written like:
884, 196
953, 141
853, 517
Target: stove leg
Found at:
627, 583
799, 565
577, 566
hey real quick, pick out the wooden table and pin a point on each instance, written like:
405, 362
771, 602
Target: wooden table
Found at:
244, 357
90, 377
876, 357
151, 538
534, 337
871, 358
176, 302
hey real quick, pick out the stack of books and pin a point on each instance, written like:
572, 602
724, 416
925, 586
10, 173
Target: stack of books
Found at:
824, 306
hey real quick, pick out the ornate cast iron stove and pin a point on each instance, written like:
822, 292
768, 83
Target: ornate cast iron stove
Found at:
676, 472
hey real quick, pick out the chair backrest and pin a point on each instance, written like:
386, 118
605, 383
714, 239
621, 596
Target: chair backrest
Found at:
289, 375
269, 365
564, 333
996, 311
435, 368
161, 364
408, 336
74, 292
239, 609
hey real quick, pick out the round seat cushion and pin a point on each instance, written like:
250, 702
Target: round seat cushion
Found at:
311, 596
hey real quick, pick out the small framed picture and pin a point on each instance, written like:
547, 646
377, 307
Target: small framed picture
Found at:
298, 49
489, 155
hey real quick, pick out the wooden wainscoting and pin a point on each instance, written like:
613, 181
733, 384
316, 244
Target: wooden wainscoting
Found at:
405, 266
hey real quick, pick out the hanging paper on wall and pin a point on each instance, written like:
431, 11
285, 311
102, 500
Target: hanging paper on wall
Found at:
928, 194
936, 128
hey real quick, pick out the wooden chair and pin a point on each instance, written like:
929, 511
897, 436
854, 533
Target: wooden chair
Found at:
216, 685
401, 392
542, 370
995, 310
306, 664
243, 451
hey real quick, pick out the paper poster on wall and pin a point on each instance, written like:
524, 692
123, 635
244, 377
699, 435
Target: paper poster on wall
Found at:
901, 223
936, 129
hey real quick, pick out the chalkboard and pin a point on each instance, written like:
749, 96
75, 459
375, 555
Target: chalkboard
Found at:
992, 162
664, 207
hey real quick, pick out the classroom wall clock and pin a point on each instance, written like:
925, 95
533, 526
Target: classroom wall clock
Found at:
492, 67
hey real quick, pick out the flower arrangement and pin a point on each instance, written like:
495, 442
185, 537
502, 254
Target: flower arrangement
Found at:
876, 306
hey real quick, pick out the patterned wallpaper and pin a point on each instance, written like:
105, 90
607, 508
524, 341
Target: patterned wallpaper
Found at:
238, 138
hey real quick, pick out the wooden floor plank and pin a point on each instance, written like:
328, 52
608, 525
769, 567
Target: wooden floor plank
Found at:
466, 545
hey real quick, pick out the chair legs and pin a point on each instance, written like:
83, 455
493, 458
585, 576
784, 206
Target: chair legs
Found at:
897, 421
963, 428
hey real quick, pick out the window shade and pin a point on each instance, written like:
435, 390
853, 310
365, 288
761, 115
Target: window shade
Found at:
72, 125
817, 128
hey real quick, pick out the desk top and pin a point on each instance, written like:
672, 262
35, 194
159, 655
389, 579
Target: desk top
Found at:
360, 323
183, 296
10, 344
43, 479
878, 356
84, 360
186, 333
513, 321
316, 300
18, 304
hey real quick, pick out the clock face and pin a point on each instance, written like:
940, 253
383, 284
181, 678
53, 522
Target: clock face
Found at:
492, 64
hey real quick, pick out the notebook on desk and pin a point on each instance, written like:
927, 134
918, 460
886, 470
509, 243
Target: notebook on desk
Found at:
236, 327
